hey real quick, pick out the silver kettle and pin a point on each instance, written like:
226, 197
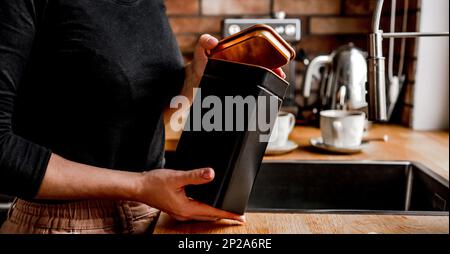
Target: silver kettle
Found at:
342, 78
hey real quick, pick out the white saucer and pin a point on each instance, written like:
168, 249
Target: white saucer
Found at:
278, 150
318, 143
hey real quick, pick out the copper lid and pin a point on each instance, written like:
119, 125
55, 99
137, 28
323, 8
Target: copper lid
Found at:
258, 45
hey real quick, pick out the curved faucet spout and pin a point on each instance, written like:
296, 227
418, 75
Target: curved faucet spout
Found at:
377, 16
377, 95
376, 73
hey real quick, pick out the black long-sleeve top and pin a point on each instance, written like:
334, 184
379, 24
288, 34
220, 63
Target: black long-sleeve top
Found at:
85, 79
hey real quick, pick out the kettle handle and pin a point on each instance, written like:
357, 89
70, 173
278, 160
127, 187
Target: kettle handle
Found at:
313, 68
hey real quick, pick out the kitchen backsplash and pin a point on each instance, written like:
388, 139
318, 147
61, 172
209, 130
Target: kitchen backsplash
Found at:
326, 25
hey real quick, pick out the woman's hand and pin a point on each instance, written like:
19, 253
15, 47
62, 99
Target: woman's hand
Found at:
164, 190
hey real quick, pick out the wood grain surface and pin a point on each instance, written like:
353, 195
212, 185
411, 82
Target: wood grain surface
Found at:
428, 148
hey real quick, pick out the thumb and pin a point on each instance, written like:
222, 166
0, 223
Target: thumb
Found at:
204, 45
197, 176
207, 42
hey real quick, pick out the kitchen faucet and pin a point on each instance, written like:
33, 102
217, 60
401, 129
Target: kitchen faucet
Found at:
378, 107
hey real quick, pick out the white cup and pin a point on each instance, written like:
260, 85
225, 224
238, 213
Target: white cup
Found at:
342, 129
283, 127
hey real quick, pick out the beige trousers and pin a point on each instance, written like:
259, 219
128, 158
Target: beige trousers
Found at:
81, 217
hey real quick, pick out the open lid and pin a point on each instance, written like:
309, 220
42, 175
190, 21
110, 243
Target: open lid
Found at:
258, 45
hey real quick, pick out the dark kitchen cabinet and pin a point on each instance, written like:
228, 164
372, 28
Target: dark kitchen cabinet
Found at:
4, 205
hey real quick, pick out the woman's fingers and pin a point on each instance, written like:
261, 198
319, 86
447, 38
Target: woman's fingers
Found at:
204, 218
280, 73
181, 207
199, 209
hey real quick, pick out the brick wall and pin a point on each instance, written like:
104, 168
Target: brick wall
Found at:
327, 24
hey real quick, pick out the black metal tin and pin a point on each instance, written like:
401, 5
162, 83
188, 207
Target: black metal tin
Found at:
234, 155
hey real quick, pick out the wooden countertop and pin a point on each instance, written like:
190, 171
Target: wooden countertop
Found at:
428, 148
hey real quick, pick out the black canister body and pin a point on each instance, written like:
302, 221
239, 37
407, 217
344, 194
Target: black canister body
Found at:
234, 150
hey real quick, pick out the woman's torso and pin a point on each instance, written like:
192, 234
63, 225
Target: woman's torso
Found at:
99, 76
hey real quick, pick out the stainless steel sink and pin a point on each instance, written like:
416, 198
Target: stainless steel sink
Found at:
405, 188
